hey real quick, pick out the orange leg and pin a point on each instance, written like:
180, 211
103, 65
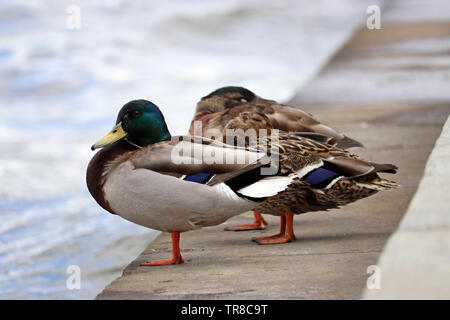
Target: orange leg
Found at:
259, 224
286, 232
282, 231
176, 254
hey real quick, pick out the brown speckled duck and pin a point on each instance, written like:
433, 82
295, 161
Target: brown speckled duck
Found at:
238, 108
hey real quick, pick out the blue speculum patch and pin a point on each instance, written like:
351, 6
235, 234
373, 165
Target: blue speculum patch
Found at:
320, 177
199, 177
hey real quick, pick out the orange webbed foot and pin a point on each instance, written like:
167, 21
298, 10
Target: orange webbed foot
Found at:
176, 254
286, 232
259, 224
275, 239
164, 262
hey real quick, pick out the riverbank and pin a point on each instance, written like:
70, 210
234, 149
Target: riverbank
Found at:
373, 90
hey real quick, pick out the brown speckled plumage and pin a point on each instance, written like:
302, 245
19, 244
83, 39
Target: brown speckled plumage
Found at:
300, 198
296, 152
239, 108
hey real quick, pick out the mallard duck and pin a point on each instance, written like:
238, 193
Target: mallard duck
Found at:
238, 108
171, 184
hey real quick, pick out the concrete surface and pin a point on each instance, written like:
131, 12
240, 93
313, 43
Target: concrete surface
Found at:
406, 60
416, 261
329, 260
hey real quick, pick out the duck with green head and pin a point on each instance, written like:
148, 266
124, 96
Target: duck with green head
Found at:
138, 175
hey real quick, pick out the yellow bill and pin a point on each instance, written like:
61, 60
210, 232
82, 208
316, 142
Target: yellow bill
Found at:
114, 135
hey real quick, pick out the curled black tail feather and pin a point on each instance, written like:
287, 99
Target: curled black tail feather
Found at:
385, 167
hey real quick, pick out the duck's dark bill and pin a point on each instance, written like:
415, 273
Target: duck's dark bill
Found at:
114, 135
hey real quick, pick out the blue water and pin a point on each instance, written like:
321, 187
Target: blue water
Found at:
61, 90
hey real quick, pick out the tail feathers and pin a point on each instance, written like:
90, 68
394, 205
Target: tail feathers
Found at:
385, 167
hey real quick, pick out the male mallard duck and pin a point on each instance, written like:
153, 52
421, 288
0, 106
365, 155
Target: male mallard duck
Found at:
172, 184
239, 108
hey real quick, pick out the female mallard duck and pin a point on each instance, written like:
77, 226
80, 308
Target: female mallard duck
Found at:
239, 108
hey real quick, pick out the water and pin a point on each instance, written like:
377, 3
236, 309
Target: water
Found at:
60, 90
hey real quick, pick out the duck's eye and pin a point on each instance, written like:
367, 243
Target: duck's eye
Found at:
135, 114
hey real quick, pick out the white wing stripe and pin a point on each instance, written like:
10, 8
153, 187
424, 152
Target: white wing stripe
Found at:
271, 185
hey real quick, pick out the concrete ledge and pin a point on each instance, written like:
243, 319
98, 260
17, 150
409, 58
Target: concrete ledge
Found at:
415, 263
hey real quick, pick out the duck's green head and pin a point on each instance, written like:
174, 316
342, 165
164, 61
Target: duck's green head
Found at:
140, 122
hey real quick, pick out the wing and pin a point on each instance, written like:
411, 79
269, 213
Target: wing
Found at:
297, 152
190, 155
201, 160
